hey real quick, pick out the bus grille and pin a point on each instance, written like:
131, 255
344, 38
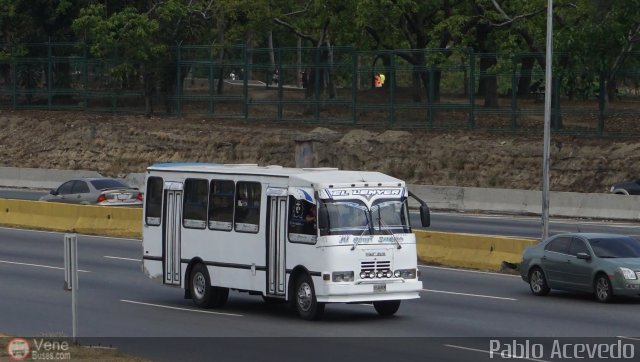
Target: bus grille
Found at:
375, 269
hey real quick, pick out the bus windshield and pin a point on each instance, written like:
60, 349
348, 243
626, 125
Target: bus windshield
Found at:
353, 217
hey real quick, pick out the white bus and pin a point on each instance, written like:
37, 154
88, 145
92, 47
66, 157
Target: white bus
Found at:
209, 228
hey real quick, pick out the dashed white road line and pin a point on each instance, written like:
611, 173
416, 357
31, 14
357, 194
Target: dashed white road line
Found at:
467, 294
38, 265
492, 353
468, 271
182, 309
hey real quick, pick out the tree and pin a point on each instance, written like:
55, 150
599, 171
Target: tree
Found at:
138, 38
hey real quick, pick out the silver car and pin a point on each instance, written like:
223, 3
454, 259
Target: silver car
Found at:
606, 265
95, 191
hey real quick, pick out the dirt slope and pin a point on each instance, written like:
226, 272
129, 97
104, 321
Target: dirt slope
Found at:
116, 145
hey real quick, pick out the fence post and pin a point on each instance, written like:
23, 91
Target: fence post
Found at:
354, 86
472, 89
114, 96
280, 81
49, 74
178, 81
392, 89
601, 104
430, 96
14, 81
211, 81
514, 98
557, 114
85, 79
245, 81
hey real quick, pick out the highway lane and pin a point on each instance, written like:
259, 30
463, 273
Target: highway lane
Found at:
21, 194
117, 300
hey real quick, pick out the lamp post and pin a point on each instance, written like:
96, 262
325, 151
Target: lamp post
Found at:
547, 122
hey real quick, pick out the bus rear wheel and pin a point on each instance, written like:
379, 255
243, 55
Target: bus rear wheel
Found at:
305, 299
202, 293
387, 307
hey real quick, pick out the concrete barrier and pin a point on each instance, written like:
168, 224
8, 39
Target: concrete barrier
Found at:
563, 204
95, 220
464, 199
468, 250
449, 249
39, 178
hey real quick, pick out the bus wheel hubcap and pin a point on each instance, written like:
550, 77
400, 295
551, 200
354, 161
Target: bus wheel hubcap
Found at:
199, 283
304, 296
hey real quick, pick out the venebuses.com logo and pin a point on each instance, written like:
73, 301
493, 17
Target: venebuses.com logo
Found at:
38, 349
18, 349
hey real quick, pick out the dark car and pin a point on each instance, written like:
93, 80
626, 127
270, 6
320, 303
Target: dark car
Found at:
626, 188
95, 191
602, 264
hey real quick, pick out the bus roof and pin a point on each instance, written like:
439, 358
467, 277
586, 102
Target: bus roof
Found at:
321, 177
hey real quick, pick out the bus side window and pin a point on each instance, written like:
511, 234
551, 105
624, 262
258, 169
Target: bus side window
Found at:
153, 198
247, 215
196, 194
221, 201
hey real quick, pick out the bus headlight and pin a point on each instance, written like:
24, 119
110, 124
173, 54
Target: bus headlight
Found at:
363, 275
342, 276
405, 273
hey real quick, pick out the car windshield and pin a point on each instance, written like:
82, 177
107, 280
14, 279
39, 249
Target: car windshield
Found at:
353, 217
108, 183
615, 247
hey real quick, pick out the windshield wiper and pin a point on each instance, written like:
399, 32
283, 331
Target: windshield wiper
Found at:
388, 229
357, 241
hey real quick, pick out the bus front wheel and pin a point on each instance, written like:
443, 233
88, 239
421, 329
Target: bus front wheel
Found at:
387, 307
305, 299
202, 293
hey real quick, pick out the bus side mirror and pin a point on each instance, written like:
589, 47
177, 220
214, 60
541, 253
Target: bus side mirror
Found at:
425, 216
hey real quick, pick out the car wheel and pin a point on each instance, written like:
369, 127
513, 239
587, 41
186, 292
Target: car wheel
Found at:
387, 307
538, 282
202, 293
602, 289
305, 299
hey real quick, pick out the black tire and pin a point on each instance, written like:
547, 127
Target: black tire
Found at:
538, 282
305, 299
387, 307
202, 293
602, 288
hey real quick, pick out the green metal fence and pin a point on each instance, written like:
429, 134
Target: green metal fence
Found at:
430, 88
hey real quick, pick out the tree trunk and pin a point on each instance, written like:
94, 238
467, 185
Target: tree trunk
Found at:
524, 82
148, 87
272, 55
612, 88
488, 82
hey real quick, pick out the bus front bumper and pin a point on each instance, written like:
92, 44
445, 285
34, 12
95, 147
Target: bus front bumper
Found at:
368, 292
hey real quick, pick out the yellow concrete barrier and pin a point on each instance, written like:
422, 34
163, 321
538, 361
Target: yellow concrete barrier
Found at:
97, 220
449, 249
469, 250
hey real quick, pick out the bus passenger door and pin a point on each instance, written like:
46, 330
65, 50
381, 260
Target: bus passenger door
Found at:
277, 219
171, 233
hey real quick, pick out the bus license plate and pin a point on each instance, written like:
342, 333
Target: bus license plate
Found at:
379, 288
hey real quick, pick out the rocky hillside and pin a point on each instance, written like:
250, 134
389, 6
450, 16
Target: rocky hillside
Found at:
116, 145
